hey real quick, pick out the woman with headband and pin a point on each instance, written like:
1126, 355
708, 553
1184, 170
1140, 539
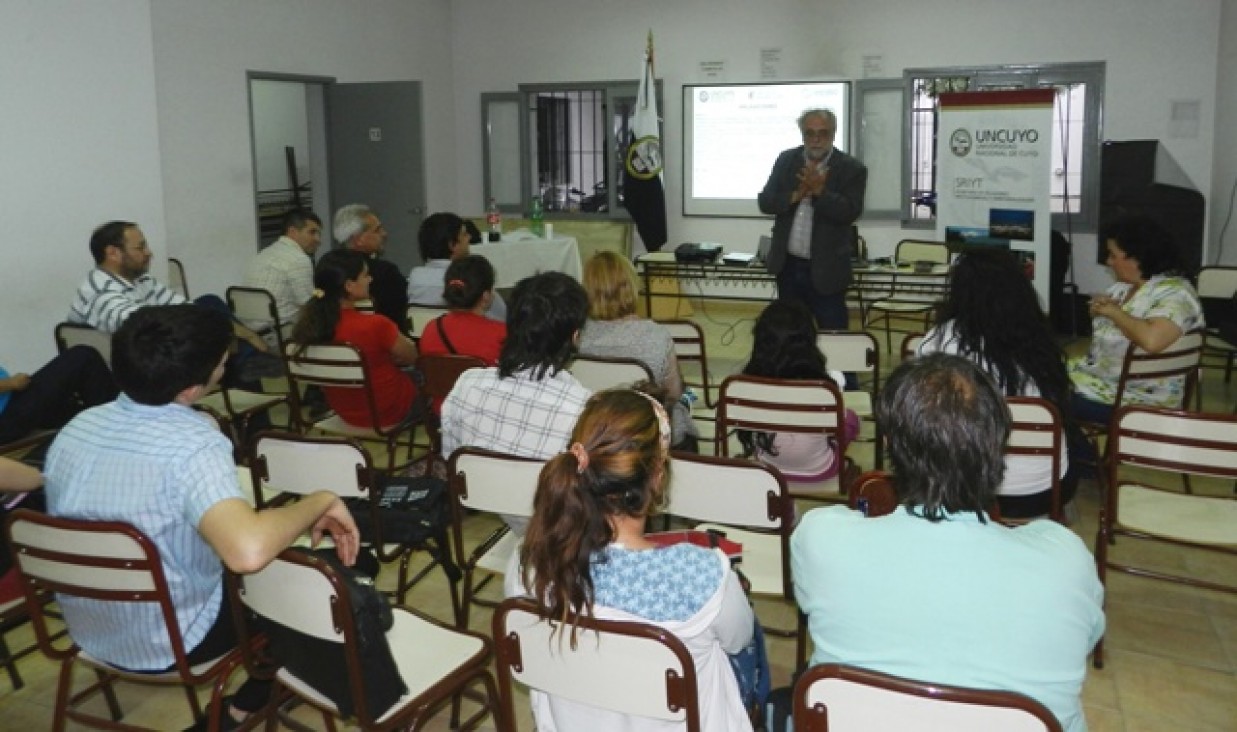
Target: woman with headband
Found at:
468, 289
585, 553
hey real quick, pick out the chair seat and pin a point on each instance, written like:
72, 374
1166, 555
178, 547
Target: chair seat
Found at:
1192, 518
829, 487
762, 557
337, 425
425, 653
901, 306
242, 401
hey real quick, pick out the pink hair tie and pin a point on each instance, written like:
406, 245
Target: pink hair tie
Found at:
581, 454
456, 283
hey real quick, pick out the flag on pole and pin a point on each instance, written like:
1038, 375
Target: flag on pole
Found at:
643, 194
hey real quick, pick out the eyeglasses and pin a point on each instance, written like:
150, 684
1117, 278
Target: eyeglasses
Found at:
810, 134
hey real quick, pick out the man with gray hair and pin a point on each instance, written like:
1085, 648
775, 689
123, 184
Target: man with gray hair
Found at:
358, 228
815, 194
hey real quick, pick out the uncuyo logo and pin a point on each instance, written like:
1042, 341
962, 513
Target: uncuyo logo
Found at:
960, 142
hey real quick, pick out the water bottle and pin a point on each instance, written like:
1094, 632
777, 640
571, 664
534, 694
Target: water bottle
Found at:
537, 216
494, 218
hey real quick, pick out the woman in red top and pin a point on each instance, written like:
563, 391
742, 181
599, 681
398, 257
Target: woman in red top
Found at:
341, 279
468, 289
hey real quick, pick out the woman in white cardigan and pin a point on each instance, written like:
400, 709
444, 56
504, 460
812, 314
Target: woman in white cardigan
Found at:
585, 553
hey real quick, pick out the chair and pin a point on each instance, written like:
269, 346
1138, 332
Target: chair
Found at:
234, 408
490, 482
689, 347
256, 305
1163, 443
1036, 432
910, 345
176, 277
436, 663
841, 698
342, 366
79, 334
28, 442
783, 405
598, 373
912, 294
440, 372
111, 562
631, 668
419, 316
1217, 287
749, 503
857, 353
295, 465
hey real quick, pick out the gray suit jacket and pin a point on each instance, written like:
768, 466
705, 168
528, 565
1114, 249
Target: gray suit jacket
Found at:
834, 213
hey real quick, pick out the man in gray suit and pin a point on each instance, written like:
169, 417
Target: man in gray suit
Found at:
815, 194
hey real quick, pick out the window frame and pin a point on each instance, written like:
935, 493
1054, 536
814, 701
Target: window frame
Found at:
1044, 75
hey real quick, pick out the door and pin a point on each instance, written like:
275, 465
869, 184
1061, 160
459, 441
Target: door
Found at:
377, 158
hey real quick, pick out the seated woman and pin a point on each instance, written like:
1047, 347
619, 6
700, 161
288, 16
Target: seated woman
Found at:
613, 329
443, 238
992, 316
1151, 305
468, 289
340, 280
585, 553
784, 347
47, 399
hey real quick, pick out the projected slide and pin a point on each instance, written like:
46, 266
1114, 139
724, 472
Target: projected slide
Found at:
734, 132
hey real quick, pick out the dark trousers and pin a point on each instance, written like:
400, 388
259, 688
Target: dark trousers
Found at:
220, 639
70, 382
794, 282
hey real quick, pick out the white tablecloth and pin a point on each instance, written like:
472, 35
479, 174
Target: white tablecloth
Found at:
515, 260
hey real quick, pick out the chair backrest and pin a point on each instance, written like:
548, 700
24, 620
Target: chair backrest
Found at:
841, 698
599, 373
1181, 359
1217, 282
689, 348
441, 370
778, 405
78, 334
910, 251
851, 351
1173, 441
734, 492
1036, 432
631, 668
420, 316
330, 365
176, 277
97, 560
494, 482
283, 462
254, 304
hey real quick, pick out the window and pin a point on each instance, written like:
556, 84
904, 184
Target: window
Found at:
1075, 142
570, 139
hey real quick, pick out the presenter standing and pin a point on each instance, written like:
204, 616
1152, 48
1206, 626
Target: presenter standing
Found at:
815, 194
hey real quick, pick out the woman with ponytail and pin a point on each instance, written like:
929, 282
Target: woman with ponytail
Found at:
468, 289
340, 280
585, 553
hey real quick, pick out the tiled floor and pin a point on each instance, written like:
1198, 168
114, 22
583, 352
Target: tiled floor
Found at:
1171, 650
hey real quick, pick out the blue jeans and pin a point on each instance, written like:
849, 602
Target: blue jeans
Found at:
794, 282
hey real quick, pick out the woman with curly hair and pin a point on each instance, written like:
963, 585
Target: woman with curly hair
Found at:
784, 347
585, 554
992, 316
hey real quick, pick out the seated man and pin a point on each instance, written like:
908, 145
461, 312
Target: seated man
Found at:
150, 460
358, 228
936, 591
48, 399
444, 238
286, 267
528, 405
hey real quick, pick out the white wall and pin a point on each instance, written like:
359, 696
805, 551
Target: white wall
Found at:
1221, 202
78, 146
202, 52
1157, 51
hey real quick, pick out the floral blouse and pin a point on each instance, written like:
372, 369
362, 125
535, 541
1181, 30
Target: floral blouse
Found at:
1095, 376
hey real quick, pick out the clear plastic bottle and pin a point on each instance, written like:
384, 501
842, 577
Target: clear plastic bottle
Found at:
536, 216
494, 218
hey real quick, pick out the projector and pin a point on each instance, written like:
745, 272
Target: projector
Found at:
697, 253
